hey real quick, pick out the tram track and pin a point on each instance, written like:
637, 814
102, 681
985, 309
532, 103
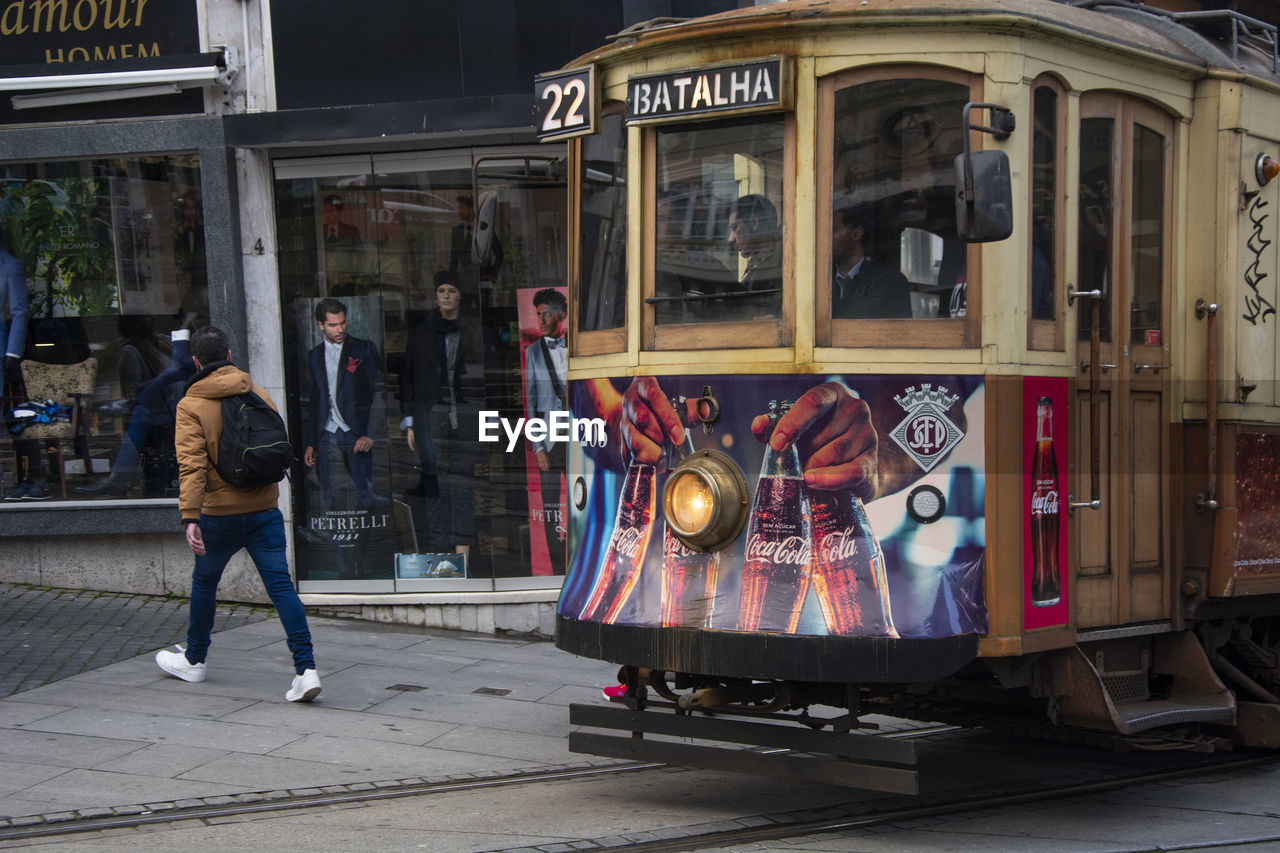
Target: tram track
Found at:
266, 803
775, 826
979, 802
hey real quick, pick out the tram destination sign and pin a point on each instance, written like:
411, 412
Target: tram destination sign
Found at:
564, 103
745, 87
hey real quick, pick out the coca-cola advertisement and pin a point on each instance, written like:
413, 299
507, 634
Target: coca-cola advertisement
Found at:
1044, 445
864, 507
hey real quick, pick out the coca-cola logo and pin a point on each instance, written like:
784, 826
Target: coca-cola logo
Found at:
675, 548
927, 434
793, 550
838, 545
1044, 503
626, 541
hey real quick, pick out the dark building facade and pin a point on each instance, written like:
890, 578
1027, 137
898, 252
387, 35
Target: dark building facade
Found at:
163, 166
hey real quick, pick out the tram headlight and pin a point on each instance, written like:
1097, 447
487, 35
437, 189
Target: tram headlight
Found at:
705, 500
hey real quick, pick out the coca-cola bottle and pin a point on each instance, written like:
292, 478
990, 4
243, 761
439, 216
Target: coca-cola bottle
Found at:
624, 557
775, 571
1046, 581
849, 576
688, 576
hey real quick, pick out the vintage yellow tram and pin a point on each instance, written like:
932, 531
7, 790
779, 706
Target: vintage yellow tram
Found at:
936, 345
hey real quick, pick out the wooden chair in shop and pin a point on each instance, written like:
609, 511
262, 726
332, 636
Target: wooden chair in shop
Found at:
67, 385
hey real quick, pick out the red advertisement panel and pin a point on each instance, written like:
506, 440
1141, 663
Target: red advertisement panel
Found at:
1257, 502
1045, 585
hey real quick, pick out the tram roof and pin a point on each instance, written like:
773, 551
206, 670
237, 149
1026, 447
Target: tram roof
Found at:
1212, 39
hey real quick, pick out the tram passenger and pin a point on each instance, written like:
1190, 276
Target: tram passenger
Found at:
754, 233
862, 287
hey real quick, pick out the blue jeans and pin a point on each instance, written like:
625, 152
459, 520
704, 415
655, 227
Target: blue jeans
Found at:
262, 534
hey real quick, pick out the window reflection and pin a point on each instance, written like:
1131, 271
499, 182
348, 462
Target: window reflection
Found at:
719, 223
603, 263
437, 288
1096, 182
894, 250
1148, 231
102, 277
1044, 195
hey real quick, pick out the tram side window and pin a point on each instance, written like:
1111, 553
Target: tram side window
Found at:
602, 295
719, 226
1044, 196
895, 252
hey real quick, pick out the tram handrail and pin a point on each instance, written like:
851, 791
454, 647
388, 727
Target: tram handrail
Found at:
1095, 419
1208, 311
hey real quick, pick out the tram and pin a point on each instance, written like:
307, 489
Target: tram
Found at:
935, 348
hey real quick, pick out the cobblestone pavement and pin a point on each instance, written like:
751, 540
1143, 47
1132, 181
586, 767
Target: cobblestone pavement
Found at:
50, 634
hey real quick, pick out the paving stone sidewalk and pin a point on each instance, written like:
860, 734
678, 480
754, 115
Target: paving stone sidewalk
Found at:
51, 634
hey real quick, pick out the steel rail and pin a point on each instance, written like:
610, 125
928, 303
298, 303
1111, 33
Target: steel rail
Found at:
977, 802
76, 826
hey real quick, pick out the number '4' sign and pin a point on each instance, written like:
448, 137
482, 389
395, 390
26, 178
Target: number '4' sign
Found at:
565, 103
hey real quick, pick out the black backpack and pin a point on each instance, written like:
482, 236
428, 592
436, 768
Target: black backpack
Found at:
254, 449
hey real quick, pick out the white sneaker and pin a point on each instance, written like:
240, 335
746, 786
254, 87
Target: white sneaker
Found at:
305, 687
177, 665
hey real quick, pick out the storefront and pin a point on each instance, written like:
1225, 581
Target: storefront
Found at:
263, 179
377, 234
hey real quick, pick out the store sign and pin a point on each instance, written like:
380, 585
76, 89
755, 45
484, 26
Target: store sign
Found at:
57, 33
726, 89
564, 104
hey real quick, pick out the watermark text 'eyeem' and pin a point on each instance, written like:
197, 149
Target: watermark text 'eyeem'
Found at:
557, 426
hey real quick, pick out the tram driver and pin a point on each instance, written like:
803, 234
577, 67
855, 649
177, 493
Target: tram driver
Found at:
862, 287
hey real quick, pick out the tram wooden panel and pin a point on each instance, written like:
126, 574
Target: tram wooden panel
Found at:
1148, 559
1146, 452
1091, 545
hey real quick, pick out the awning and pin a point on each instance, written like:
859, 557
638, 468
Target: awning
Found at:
117, 79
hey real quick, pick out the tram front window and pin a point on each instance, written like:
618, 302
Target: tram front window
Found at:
719, 223
895, 253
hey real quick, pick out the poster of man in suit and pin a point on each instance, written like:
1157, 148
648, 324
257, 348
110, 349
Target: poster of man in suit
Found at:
542, 313
344, 441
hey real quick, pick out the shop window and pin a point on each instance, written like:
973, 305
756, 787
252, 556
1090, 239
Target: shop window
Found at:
887, 217
417, 292
102, 269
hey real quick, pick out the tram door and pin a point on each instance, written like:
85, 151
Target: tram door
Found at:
1121, 552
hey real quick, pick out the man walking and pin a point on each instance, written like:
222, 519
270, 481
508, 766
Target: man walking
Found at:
220, 519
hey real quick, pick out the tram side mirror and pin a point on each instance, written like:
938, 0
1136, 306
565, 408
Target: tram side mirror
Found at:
984, 196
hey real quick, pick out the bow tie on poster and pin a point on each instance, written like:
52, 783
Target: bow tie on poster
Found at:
553, 343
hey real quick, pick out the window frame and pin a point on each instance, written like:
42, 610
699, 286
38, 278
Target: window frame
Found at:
730, 335
1049, 335
595, 341
923, 333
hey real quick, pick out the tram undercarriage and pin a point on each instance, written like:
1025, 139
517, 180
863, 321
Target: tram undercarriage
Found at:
1156, 691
